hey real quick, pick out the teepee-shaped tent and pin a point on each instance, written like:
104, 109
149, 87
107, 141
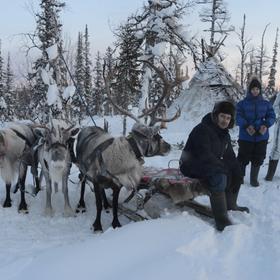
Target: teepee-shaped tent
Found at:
211, 83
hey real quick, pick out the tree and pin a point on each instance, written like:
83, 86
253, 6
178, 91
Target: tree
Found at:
158, 26
217, 16
98, 92
79, 78
270, 90
244, 51
48, 32
9, 91
262, 59
87, 66
3, 104
110, 70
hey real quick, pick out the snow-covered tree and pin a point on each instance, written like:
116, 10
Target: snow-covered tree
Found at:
88, 65
159, 25
50, 66
110, 69
270, 90
2, 80
79, 77
3, 104
9, 95
98, 91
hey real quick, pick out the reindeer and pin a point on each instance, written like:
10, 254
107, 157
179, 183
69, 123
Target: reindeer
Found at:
16, 154
116, 162
54, 157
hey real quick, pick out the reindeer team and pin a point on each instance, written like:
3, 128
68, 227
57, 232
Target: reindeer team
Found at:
105, 161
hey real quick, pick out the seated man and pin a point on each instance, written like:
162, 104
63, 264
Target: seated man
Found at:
208, 155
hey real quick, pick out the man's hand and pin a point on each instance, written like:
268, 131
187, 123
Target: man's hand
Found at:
263, 129
251, 130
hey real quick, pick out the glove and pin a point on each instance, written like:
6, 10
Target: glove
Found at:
251, 130
263, 129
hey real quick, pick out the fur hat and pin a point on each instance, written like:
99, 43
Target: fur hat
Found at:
255, 83
225, 107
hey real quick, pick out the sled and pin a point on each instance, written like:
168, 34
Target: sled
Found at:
162, 190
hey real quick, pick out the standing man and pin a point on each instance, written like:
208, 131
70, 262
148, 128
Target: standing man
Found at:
254, 116
275, 151
208, 155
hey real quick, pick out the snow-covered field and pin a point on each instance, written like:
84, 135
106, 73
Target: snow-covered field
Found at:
177, 246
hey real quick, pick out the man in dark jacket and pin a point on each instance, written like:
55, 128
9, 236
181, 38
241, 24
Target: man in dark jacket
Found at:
254, 116
208, 155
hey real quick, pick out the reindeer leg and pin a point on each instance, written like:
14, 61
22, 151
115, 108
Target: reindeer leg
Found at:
37, 185
48, 210
34, 171
97, 227
8, 201
22, 176
115, 222
106, 204
68, 211
81, 207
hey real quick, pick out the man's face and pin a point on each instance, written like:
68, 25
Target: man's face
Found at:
223, 120
255, 91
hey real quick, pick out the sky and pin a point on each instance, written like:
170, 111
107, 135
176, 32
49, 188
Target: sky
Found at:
17, 17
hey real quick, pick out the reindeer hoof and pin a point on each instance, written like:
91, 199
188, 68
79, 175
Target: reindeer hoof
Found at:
116, 224
7, 204
81, 207
23, 211
81, 210
36, 190
23, 208
97, 228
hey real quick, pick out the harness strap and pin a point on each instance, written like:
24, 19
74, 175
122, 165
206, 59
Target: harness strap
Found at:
134, 147
20, 135
96, 153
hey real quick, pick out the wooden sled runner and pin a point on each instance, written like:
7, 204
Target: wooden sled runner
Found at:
162, 189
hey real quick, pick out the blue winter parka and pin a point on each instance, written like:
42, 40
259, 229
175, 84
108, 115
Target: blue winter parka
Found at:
255, 111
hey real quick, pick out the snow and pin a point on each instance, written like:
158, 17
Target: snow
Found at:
52, 52
52, 94
68, 92
179, 245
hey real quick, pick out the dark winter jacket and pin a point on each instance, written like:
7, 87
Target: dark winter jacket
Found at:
255, 111
208, 151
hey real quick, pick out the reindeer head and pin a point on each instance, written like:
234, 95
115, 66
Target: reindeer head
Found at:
56, 138
149, 140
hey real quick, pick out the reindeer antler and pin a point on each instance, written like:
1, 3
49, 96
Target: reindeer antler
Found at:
109, 95
168, 85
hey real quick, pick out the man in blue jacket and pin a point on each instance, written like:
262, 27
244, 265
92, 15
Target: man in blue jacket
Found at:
208, 155
254, 116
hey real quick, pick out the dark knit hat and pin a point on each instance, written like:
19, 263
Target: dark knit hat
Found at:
255, 83
225, 107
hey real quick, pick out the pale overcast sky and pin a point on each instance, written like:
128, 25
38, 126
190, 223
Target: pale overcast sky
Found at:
16, 17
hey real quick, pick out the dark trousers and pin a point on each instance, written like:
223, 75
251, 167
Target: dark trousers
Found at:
253, 152
220, 182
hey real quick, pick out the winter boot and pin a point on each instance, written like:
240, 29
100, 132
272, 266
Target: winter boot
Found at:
243, 171
219, 209
254, 175
231, 197
271, 169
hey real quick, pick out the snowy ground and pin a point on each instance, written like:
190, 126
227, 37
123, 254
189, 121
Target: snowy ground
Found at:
177, 246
